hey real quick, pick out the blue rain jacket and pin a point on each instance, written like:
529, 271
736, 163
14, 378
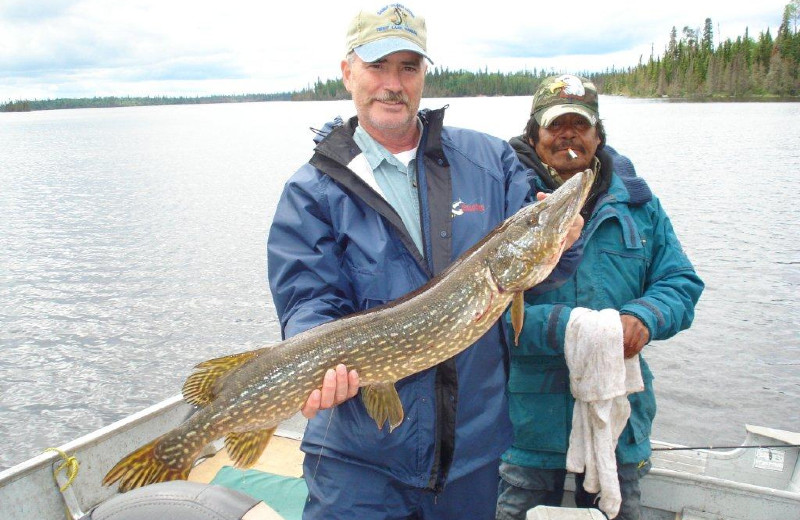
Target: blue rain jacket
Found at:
337, 247
632, 262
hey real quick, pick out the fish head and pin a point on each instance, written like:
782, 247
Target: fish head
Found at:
529, 243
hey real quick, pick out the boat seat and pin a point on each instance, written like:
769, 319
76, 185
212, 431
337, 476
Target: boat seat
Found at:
691, 514
181, 500
563, 513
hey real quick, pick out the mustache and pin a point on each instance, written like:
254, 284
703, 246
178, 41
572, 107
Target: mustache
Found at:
392, 97
569, 144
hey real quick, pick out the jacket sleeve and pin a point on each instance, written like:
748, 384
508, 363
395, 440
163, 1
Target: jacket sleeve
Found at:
672, 288
543, 330
666, 306
304, 259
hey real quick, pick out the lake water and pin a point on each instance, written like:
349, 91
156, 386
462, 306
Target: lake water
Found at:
132, 246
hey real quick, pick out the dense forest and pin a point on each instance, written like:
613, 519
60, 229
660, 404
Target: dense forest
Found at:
691, 67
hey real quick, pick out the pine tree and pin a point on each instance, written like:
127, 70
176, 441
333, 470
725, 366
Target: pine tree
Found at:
708, 36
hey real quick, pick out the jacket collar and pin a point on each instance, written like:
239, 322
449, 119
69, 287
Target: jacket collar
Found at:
335, 139
336, 152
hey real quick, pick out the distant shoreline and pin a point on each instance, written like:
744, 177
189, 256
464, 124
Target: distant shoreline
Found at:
127, 101
119, 102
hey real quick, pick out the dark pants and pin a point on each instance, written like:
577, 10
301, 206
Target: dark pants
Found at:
339, 490
524, 488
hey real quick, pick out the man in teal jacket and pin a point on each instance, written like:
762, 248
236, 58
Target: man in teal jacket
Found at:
632, 262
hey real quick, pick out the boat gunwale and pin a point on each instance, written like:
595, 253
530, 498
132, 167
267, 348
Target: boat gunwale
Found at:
47, 458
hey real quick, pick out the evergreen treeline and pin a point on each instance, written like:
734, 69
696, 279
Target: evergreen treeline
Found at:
445, 83
692, 68
111, 101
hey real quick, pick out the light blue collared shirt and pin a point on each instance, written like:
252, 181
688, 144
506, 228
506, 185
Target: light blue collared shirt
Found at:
396, 176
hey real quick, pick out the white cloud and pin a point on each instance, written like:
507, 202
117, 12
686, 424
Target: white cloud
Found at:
85, 48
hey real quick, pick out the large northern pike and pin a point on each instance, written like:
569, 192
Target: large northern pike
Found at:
245, 396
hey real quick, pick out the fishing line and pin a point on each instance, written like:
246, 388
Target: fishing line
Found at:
679, 448
322, 447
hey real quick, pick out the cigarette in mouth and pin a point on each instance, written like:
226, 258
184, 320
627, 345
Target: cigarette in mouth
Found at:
572, 155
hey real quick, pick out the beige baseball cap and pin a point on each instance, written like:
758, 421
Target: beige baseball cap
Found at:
392, 28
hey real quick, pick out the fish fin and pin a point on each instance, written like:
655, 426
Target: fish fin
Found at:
244, 448
200, 387
517, 315
143, 467
383, 403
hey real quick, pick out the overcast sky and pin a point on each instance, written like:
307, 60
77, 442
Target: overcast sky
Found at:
85, 48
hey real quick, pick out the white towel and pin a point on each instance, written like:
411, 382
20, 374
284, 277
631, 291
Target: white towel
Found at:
600, 380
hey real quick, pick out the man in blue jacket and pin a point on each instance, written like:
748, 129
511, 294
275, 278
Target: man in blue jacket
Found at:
388, 200
632, 262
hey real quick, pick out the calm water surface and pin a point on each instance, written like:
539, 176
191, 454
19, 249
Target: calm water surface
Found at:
132, 246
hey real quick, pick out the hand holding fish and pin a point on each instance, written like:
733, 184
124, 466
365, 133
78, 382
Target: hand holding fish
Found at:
338, 386
574, 231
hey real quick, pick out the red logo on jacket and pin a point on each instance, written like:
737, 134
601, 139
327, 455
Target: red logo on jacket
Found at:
460, 207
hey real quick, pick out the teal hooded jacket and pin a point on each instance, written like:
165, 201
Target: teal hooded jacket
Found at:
632, 262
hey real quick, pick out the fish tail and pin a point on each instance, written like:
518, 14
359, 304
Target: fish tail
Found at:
143, 467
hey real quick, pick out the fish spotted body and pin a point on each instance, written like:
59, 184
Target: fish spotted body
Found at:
243, 397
